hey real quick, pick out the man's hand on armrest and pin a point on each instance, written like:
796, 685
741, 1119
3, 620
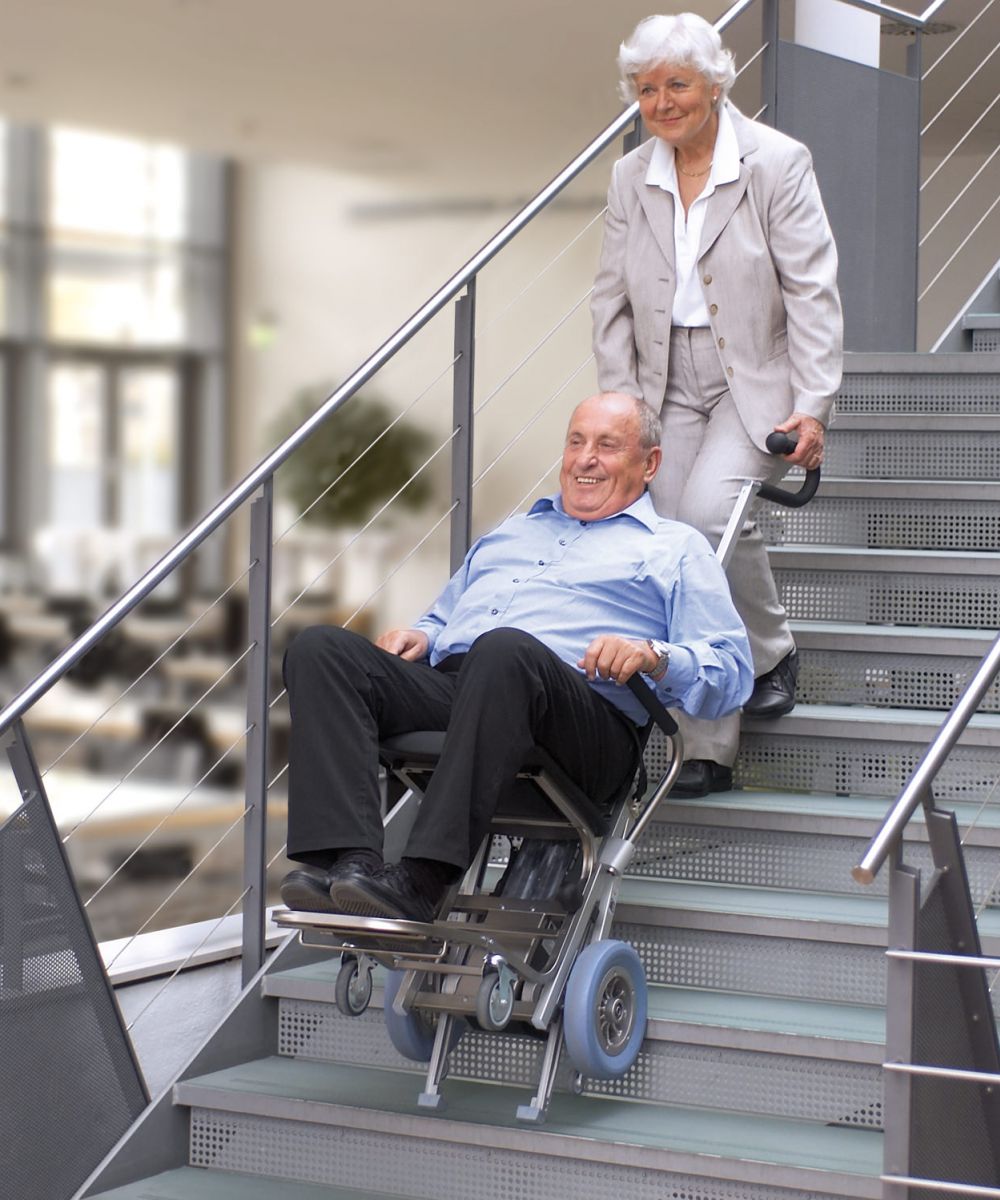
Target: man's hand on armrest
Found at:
411, 644
617, 658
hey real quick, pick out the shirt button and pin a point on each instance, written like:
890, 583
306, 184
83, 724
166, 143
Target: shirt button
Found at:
541, 562
562, 541
729, 372
713, 309
722, 343
583, 522
494, 611
707, 279
517, 581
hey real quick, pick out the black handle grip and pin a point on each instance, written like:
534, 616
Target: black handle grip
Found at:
781, 443
785, 443
647, 698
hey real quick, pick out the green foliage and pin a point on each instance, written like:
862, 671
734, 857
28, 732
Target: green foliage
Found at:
331, 449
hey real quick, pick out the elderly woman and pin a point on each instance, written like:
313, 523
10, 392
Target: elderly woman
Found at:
716, 302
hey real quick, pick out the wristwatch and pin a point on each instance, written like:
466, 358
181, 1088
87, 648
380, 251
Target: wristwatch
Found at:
662, 652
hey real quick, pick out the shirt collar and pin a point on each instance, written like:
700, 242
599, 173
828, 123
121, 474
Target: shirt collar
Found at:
662, 171
640, 510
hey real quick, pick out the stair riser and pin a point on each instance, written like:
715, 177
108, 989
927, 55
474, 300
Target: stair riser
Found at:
889, 598
911, 454
885, 524
800, 861
974, 392
850, 765
409, 1166
886, 680
785, 1085
986, 341
762, 965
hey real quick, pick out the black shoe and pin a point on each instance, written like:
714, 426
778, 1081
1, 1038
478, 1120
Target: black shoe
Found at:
774, 693
307, 889
391, 892
699, 776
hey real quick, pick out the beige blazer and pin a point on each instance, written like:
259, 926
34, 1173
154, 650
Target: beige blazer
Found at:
768, 268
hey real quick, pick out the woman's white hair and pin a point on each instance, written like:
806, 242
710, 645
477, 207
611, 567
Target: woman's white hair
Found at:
685, 40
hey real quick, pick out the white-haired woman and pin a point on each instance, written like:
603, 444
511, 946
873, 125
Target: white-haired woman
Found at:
716, 301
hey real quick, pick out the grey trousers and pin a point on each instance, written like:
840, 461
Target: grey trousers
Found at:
707, 455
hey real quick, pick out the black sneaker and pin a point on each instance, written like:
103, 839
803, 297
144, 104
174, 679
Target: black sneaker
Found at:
307, 889
391, 892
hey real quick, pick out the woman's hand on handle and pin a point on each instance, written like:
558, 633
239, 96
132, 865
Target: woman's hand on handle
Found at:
809, 452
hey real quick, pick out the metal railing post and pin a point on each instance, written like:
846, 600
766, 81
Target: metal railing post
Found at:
463, 413
258, 667
770, 23
904, 903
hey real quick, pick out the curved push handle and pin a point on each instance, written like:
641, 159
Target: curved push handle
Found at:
647, 698
785, 443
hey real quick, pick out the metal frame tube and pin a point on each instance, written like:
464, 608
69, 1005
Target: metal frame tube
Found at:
258, 669
923, 777
463, 417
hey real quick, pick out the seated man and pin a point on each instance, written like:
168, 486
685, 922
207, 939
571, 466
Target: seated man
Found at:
529, 644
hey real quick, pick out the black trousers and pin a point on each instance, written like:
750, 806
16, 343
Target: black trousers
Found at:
506, 695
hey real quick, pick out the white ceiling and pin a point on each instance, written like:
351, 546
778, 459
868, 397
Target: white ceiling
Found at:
448, 96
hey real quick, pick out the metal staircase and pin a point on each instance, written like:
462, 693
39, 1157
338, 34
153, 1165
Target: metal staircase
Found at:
761, 1071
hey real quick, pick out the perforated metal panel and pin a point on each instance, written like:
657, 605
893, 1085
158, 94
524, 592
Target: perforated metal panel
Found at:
665, 1072
986, 341
893, 524
407, 1166
911, 454
857, 767
779, 1085
771, 858
69, 1086
904, 598
905, 392
763, 965
886, 680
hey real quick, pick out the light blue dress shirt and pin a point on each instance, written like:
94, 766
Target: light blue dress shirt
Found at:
635, 574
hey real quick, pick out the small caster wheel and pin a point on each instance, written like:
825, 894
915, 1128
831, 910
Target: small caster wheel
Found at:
494, 1002
353, 990
604, 1018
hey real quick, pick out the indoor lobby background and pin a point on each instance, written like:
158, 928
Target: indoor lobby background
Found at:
211, 211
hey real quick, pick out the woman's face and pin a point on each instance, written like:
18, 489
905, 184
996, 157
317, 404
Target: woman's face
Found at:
676, 103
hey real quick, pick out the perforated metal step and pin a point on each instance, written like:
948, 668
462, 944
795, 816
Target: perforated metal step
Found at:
910, 383
889, 667
893, 515
726, 1066
865, 752
303, 1119
191, 1183
943, 447
893, 587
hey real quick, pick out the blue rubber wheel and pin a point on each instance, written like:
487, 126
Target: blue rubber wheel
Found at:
413, 1033
604, 1017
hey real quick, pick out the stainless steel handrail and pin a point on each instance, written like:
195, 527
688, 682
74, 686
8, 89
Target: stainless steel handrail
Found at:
923, 777
265, 469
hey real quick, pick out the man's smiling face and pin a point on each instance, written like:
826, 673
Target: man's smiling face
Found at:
604, 466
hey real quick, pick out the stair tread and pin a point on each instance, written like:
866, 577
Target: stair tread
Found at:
860, 909
695, 1006
882, 718
195, 1183
768, 1140
791, 1016
870, 809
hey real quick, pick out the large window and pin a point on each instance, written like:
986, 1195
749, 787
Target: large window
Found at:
113, 297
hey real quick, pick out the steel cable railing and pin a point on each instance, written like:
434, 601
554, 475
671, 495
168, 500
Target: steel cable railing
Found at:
956, 40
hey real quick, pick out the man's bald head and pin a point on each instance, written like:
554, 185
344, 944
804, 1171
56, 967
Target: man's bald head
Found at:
612, 451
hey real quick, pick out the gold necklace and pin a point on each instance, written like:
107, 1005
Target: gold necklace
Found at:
694, 174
